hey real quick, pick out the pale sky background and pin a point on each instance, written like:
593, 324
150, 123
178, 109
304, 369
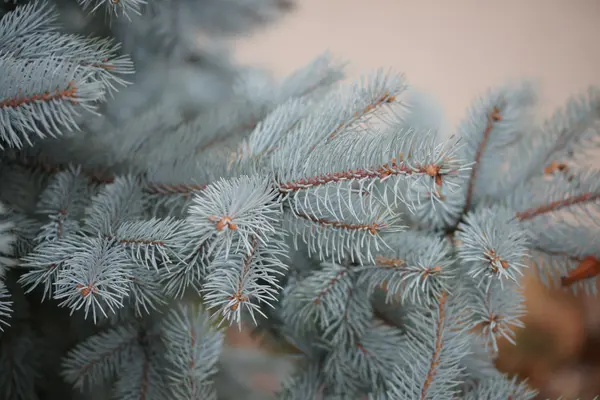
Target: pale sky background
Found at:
455, 49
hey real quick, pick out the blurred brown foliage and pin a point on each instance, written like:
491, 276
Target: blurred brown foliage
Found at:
558, 351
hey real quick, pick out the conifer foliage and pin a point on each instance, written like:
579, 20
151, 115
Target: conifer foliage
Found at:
154, 193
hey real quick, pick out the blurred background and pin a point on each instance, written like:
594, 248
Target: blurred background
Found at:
455, 50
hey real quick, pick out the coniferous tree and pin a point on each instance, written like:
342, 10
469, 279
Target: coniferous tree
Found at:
154, 193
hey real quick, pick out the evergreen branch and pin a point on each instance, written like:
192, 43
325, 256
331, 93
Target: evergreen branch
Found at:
320, 297
372, 360
19, 362
96, 360
557, 205
568, 133
378, 172
338, 227
142, 378
552, 268
188, 272
408, 272
264, 138
48, 102
63, 200
239, 283
98, 55
346, 166
238, 296
148, 186
373, 228
305, 384
59, 226
495, 124
314, 79
494, 116
295, 161
36, 163
193, 349
246, 126
347, 330
26, 19
371, 94
436, 341
337, 114
114, 7
96, 278
332, 282
166, 189
146, 292
8, 239
68, 93
560, 214
44, 263
341, 161
294, 95
496, 312
500, 387
237, 210
436, 200
5, 307
492, 244
436, 356
117, 203
152, 242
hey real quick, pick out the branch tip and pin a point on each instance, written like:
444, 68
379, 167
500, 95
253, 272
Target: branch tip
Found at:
223, 223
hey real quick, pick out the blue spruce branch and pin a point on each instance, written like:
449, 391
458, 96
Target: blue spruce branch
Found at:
144, 214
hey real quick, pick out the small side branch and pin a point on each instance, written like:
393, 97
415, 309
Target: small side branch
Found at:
493, 117
166, 189
104, 178
331, 283
34, 164
68, 93
244, 127
239, 296
105, 357
145, 242
386, 98
557, 205
381, 172
439, 336
373, 228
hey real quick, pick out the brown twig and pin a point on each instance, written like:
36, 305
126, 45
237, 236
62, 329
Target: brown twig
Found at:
556, 205
68, 93
588, 268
